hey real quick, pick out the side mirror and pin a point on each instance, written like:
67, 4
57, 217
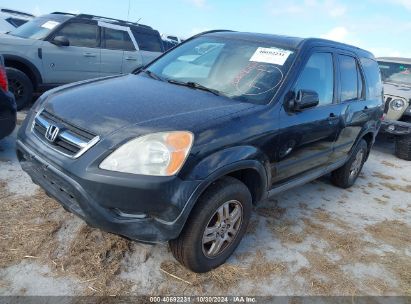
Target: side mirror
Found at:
304, 99
60, 41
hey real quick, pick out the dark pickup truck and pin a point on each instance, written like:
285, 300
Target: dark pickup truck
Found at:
180, 150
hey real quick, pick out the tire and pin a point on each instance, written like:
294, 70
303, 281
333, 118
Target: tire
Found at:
189, 249
21, 86
346, 176
403, 147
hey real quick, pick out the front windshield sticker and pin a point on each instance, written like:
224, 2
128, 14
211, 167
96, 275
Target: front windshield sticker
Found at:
50, 24
271, 55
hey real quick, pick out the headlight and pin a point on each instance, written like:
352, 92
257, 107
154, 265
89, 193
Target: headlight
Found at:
397, 104
160, 154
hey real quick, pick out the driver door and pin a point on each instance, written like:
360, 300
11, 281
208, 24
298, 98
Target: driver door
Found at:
78, 61
307, 137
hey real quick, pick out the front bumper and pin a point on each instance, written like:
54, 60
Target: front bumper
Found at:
395, 127
157, 214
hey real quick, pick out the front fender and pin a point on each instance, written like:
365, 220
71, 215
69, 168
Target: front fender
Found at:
220, 164
231, 159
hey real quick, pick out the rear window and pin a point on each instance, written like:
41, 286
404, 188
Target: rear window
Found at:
148, 41
373, 78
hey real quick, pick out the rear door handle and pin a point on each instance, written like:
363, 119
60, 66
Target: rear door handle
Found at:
89, 54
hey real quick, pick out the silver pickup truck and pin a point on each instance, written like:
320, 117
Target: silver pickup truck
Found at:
60, 48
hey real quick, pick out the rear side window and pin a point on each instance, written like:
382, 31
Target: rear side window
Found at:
80, 34
117, 40
373, 77
349, 78
318, 76
148, 41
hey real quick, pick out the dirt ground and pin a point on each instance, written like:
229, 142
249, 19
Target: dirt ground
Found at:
313, 240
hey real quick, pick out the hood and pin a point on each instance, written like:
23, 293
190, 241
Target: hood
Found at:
14, 40
107, 105
399, 90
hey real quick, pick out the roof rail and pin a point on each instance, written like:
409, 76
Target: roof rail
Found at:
62, 13
88, 16
10, 11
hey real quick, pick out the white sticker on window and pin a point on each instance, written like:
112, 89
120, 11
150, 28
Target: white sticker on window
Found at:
50, 24
271, 55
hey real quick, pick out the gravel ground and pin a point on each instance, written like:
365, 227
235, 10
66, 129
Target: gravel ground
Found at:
314, 240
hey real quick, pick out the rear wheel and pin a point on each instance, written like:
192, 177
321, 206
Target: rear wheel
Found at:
403, 147
346, 176
20, 85
215, 227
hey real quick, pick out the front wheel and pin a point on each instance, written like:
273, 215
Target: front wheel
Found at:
215, 227
21, 87
346, 176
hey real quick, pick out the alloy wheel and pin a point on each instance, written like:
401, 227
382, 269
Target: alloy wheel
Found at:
222, 228
357, 163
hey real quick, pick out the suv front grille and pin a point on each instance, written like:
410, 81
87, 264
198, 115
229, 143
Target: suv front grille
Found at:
62, 136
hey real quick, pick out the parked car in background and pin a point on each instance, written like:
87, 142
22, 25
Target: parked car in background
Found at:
170, 41
396, 75
10, 19
181, 150
8, 108
171, 38
168, 44
61, 48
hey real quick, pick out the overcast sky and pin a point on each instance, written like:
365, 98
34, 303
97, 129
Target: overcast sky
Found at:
381, 26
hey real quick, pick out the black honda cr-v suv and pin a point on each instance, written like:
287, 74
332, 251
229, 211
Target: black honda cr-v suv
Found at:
181, 150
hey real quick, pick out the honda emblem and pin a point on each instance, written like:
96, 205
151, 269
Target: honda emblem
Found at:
52, 132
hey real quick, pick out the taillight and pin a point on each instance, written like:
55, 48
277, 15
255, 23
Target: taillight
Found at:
3, 80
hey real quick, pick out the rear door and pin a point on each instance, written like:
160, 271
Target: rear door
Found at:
119, 52
355, 107
78, 61
307, 137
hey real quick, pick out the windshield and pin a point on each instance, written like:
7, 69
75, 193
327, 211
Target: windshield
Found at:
40, 27
239, 69
396, 72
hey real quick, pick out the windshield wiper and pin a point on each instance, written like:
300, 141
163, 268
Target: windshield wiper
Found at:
152, 75
195, 85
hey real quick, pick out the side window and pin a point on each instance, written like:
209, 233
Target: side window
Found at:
80, 34
373, 77
318, 76
349, 78
148, 41
117, 40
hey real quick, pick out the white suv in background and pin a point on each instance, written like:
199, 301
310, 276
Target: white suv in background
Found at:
61, 48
